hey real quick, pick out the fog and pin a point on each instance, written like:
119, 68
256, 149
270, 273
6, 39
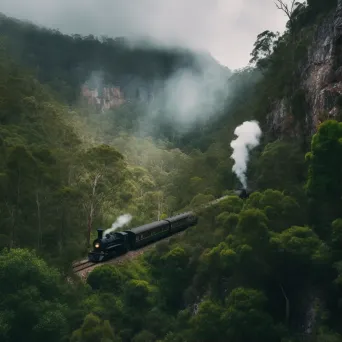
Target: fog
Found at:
225, 28
190, 95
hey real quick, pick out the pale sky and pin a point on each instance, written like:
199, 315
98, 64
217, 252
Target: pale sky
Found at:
227, 29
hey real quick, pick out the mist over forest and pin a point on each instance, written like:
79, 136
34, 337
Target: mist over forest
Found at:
115, 116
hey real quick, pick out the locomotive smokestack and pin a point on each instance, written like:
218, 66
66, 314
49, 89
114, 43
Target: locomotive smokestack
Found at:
99, 233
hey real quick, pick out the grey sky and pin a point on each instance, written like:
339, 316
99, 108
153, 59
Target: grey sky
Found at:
225, 28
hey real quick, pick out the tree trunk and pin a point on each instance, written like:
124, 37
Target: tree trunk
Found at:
39, 221
11, 211
90, 223
287, 309
92, 208
160, 206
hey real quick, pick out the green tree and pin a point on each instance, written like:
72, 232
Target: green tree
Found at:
282, 211
207, 325
103, 176
106, 278
300, 260
281, 166
252, 228
246, 308
94, 330
173, 273
31, 299
136, 293
263, 48
324, 185
144, 336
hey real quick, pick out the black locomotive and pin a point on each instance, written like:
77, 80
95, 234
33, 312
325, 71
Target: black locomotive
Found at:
117, 243
243, 193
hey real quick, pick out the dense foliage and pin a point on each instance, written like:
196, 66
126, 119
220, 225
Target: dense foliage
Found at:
40, 49
268, 268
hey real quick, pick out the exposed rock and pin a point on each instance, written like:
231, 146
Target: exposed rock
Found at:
321, 77
338, 20
110, 97
338, 74
280, 120
319, 74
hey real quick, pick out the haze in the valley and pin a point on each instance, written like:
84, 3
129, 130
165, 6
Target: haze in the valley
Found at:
227, 29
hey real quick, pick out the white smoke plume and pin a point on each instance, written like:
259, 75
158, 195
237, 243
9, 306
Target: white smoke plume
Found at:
248, 135
120, 222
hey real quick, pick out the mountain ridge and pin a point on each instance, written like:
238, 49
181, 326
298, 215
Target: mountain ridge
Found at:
131, 66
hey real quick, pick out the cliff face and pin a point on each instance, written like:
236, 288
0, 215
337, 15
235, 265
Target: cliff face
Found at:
321, 78
103, 99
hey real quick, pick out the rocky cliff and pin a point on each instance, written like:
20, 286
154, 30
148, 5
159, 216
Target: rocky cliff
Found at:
321, 78
104, 98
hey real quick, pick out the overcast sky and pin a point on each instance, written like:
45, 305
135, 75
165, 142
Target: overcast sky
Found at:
225, 28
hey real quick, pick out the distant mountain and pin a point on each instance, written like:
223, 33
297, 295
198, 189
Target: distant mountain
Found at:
106, 71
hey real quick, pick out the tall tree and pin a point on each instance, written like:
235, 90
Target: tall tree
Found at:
324, 185
102, 177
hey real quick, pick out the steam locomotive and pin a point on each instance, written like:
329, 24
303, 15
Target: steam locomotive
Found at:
118, 243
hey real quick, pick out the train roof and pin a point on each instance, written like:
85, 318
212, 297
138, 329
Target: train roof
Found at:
121, 233
179, 216
147, 227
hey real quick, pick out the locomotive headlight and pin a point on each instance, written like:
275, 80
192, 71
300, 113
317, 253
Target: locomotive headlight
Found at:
97, 245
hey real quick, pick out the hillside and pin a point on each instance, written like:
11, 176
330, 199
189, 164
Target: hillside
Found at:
108, 73
267, 268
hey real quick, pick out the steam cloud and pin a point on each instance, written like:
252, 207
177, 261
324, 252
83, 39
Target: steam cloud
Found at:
120, 222
248, 135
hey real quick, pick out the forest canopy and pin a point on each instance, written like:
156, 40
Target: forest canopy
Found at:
264, 268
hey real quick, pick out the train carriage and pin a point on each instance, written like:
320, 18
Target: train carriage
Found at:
181, 221
117, 243
147, 233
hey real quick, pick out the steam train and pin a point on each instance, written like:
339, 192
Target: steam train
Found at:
118, 243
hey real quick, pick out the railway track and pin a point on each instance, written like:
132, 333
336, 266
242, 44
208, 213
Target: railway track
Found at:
83, 265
